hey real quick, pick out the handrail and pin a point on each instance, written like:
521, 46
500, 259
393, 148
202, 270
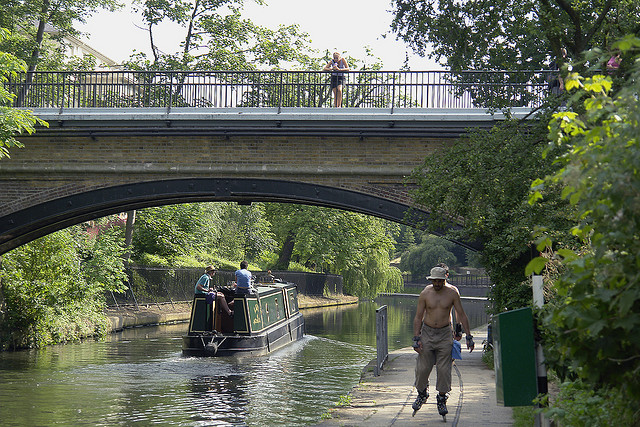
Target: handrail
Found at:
382, 344
277, 89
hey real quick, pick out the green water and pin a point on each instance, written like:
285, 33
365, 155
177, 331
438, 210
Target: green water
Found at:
139, 377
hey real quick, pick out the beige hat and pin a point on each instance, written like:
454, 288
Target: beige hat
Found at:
209, 268
438, 273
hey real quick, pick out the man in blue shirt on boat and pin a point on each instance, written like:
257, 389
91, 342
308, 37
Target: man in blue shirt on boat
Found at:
243, 279
203, 286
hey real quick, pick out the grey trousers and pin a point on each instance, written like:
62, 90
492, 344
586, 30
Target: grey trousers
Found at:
436, 350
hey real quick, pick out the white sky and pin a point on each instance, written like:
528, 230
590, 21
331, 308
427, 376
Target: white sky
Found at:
343, 25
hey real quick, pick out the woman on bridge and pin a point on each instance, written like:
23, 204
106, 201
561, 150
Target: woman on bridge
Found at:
337, 66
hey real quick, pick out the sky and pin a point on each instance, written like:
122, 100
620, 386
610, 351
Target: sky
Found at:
347, 26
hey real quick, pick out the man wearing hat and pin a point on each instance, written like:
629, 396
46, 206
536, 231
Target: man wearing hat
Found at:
433, 339
203, 287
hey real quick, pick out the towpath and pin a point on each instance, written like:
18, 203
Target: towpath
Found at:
386, 400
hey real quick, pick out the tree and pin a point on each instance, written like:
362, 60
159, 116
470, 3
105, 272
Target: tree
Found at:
482, 183
216, 37
170, 231
102, 254
29, 18
506, 35
246, 233
47, 298
420, 259
340, 242
594, 320
12, 121
405, 237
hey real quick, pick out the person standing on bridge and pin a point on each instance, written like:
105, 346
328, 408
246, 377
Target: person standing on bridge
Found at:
556, 82
337, 65
433, 339
203, 286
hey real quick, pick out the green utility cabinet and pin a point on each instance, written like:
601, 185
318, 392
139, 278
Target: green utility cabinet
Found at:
514, 358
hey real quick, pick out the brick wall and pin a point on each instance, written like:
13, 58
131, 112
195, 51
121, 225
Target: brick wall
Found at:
55, 166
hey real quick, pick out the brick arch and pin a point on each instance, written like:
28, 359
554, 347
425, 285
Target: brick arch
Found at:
25, 225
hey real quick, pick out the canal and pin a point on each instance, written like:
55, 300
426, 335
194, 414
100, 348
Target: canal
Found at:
139, 377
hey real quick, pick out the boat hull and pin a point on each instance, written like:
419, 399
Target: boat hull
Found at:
263, 321
220, 344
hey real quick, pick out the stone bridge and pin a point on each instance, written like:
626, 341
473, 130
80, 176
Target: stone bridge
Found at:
94, 161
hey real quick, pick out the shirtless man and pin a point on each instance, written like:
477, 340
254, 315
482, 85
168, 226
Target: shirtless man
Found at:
433, 339
457, 327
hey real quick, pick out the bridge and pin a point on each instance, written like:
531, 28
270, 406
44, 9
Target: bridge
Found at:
126, 140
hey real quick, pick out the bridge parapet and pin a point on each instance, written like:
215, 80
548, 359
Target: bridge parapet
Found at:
361, 122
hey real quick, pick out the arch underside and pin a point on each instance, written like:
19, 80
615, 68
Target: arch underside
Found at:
39, 220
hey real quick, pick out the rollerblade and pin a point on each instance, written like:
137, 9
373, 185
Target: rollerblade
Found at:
422, 397
441, 402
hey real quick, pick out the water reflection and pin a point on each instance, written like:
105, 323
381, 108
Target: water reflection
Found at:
221, 399
139, 377
356, 323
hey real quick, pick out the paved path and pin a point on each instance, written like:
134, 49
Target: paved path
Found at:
386, 400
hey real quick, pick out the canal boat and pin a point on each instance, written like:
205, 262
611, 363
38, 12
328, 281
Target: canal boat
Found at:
262, 321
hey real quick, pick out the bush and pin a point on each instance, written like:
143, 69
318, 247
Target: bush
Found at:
487, 356
594, 317
151, 260
47, 298
578, 404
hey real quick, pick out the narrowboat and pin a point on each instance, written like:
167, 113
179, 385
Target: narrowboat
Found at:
262, 321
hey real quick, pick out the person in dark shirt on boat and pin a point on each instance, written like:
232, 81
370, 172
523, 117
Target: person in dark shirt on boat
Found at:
243, 279
203, 286
269, 277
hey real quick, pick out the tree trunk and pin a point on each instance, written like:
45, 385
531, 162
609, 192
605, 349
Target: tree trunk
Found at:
128, 234
35, 55
2, 303
287, 250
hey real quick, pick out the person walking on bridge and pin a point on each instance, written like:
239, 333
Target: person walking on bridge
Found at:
433, 338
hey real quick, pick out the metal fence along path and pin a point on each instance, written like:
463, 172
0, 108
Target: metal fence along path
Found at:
163, 285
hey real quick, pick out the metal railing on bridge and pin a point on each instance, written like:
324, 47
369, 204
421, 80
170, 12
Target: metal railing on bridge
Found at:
282, 89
